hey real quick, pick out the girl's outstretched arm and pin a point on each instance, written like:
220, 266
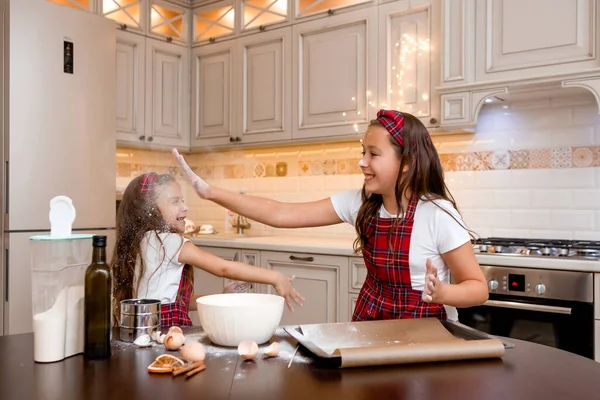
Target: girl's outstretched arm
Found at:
469, 287
263, 210
192, 255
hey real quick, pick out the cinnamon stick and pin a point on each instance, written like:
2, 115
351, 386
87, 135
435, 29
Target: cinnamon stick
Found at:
187, 367
195, 371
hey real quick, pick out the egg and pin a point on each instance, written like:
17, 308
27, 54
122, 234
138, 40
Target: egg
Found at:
175, 329
272, 350
174, 340
248, 349
193, 352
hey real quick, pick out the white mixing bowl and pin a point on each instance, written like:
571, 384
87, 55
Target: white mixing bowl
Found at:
230, 318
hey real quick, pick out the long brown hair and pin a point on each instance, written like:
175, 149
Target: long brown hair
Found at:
137, 215
424, 178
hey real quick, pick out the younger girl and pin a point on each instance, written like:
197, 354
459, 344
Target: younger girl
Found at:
153, 260
406, 221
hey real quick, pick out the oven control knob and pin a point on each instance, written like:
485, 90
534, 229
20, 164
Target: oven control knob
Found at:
540, 288
493, 284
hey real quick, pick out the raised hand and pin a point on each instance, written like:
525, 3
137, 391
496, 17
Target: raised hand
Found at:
285, 289
432, 283
202, 188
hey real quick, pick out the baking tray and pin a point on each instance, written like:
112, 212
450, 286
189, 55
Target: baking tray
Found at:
403, 341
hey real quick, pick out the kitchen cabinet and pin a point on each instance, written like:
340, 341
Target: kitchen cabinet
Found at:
167, 94
517, 39
206, 283
352, 299
242, 90
127, 14
358, 273
262, 14
130, 87
308, 8
321, 279
168, 21
213, 106
84, 5
214, 22
597, 340
409, 66
335, 75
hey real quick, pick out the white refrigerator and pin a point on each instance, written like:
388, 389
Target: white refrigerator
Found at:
60, 138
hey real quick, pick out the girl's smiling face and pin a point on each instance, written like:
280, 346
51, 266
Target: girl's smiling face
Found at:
379, 164
170, 202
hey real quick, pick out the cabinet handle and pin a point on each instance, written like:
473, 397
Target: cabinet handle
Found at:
262, 27
150, 139
169, 39
123, 27
232, 139
238, 139
6, 275
330, 11
433, 120
212, 39
142, 137
309, 259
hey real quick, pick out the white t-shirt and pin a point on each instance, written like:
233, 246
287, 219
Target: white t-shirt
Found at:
434, 233
162, 269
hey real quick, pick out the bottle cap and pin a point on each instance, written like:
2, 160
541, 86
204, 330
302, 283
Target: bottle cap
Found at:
99, 241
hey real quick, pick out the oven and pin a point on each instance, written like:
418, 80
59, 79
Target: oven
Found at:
545, 306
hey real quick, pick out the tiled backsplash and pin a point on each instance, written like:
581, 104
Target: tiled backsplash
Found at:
531, 170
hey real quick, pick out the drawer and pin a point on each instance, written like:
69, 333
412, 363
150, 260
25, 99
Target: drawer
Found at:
358, 273
597, 340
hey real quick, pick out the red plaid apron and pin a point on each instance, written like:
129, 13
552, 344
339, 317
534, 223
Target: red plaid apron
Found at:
177, 314
387, 292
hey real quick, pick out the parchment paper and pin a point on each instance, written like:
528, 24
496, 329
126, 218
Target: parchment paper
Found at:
401, 341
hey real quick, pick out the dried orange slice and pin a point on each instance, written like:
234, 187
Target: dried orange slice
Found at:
165, 363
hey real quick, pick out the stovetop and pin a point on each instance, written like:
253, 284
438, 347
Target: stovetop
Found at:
571, 249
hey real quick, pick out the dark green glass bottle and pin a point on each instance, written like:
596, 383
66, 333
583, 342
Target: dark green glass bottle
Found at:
97, 322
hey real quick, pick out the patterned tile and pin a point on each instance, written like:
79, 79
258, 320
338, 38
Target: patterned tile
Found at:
539, 158
259, 170
342, 167
270, 170
329, 167
501, 159
228, 172
316, 168
281, 169
596, 152
519, 159
582, 156
354, 168
304, 168
561, 157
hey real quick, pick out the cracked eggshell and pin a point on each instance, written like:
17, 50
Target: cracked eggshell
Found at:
143, 341
272, 350
175, 329
193, 352
248, 349
174, 340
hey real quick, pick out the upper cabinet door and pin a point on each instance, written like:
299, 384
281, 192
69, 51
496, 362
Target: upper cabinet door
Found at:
128, 14
85, 5
168, 21
308, 8
212, 100
265, 93
457, 44
335, 75
408, 62
215, 21
259, 14
167, 94
131, 82
517, 39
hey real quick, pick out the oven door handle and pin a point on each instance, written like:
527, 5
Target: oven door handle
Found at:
528, 307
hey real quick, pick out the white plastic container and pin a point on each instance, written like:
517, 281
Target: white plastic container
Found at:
58, 265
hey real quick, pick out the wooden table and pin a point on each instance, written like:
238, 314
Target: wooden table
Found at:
529, 371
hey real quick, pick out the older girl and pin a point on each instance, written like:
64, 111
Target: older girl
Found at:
408, 227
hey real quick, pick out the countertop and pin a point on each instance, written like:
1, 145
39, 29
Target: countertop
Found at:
528, 371
342, 246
